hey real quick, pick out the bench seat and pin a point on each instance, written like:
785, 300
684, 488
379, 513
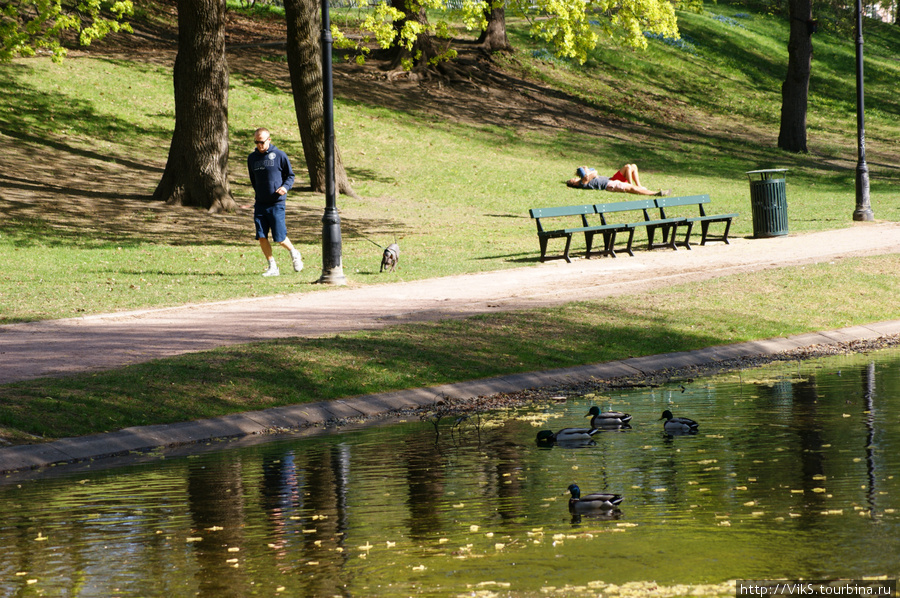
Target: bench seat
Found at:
704, 219
668, 227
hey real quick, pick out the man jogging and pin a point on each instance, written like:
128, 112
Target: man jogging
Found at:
272, 177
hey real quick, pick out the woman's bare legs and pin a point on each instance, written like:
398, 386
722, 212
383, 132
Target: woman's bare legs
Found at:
631, 174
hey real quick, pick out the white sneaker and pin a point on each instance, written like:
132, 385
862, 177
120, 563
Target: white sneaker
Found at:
272, 270
297, 259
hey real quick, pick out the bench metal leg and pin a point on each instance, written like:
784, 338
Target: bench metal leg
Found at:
609, 243
630, 241
566, 252
588, 243
687, 235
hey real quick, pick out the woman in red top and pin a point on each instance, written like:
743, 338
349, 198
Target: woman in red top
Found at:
625, 180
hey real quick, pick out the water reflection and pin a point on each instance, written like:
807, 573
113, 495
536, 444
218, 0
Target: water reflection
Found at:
791, 475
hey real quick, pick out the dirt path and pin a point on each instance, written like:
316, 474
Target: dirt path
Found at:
102, 342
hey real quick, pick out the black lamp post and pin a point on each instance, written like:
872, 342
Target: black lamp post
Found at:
863, 209
332, 269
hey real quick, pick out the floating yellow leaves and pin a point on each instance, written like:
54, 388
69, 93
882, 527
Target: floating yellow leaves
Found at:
390, 544
215, 528
194, 539
484, 584
499, 546
473, 528
819, 490
419, 568
41, 538
459, 505
750, 503
233, 549
644, 588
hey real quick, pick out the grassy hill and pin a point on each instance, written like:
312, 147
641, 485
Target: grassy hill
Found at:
448, 168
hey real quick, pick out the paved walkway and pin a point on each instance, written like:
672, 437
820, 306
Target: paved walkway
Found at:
94, 343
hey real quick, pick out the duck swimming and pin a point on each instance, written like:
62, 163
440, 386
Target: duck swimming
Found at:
596, 501
678, 425
567, 435
607, 419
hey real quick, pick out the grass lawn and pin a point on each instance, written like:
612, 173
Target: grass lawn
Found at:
449, 171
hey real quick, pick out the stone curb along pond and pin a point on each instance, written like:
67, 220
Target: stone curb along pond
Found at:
316, 417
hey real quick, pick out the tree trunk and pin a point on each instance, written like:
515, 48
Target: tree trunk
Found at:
424, 47
795, 90
493, 38
304, 52
196, 171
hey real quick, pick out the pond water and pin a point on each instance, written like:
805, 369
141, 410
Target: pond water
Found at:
793, 474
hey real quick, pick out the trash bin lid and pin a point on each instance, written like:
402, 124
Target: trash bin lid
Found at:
766, 173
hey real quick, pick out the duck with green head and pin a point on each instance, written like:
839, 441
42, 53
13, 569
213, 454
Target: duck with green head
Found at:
607, 419
596, 501
567, 435
678, 425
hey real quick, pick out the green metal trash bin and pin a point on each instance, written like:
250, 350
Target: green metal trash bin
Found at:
768, 202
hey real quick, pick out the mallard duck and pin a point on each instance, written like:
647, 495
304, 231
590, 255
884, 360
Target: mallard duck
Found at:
567, 435
596, 501
678, 424
607, 419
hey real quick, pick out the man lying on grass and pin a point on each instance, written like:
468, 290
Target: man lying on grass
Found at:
626, 180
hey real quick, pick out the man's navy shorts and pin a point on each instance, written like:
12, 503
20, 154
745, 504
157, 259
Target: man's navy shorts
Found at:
270, 218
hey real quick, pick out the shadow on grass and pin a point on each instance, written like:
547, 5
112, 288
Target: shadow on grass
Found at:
296, 371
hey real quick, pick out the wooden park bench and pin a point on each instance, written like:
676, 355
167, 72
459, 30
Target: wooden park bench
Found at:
545, 233
668, 203
668, 227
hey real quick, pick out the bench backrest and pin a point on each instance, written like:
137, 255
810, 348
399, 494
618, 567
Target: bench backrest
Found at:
561, 211
688, 200
623, 206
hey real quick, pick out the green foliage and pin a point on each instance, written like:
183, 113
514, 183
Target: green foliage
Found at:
569, 26
31, 25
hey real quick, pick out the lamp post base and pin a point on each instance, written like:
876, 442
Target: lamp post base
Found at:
863, 211
863, 216
334, 276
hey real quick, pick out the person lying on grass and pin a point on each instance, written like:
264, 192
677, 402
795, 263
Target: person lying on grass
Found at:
625, 180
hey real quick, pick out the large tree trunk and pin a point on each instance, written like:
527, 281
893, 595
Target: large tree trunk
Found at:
196, 171
795, 90
424, 48
304, 52
493, 38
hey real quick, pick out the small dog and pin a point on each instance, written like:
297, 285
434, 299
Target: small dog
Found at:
390, 258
